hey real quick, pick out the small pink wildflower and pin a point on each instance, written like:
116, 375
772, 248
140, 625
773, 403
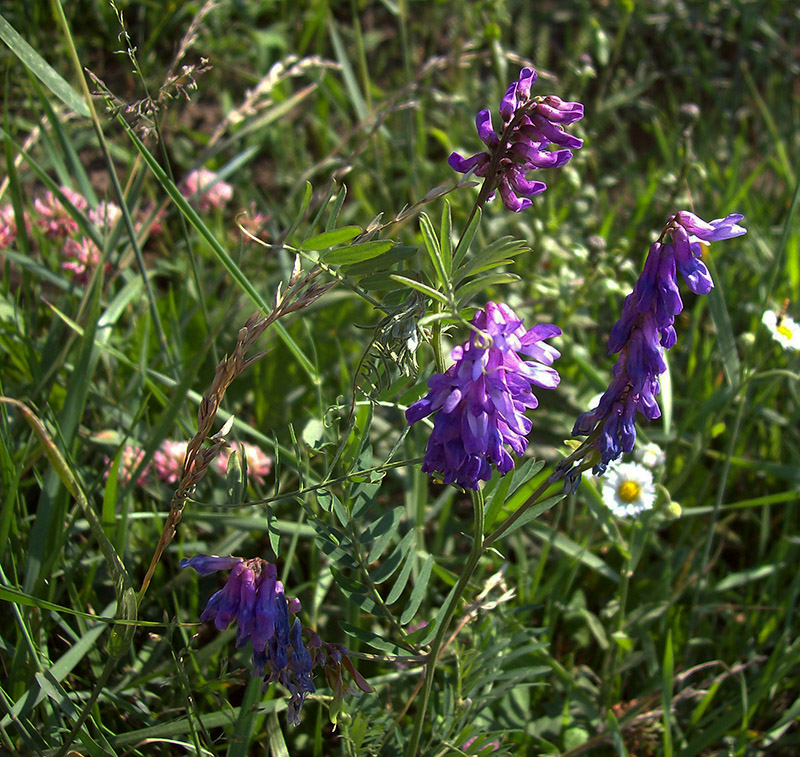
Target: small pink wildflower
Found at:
252, 221
132, 455
8, 227
258, 464
105, 215
168, 461
82, 258
203, 186
53, 216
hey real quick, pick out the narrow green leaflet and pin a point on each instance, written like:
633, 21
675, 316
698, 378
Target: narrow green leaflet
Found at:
478, 285
420, 287
388, 566
466, 240
434, 250
417, 595
534, 512
357, 253
372, 639
382, 531
402, 579
331, 238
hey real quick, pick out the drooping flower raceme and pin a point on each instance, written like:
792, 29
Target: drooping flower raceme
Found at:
530, 125
481, 399
254, 597
645, 331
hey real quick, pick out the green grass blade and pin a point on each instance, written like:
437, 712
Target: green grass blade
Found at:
40, 68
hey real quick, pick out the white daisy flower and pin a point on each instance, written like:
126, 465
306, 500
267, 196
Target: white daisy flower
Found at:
628, 489
650, 455
784, 330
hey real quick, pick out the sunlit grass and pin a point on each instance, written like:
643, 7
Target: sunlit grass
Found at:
581, 633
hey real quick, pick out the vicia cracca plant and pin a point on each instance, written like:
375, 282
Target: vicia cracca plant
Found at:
478, 406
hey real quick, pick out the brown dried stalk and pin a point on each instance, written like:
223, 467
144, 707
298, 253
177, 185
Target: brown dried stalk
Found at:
301, 292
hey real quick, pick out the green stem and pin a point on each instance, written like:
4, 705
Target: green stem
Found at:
611, 658
126, 216
446, 618
436, 344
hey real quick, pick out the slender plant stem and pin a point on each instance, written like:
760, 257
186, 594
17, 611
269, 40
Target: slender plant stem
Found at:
446, 617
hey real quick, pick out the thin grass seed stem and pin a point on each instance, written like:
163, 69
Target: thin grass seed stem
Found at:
441, 632
87, 96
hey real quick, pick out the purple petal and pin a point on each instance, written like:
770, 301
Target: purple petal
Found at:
555, 133
463, 165
538, 158
207, 564
510, 200
486, 132
558, 111
520, 184
719, 228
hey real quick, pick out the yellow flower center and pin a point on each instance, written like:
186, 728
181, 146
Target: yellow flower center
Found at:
628, 491
784, 331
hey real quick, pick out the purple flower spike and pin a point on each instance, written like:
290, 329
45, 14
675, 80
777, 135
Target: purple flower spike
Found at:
646, 330
530, 126
255, 599
481, 399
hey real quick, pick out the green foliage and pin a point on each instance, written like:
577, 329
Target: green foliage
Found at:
576, 633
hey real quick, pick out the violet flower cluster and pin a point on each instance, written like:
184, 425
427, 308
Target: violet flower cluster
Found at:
645, 331
481, 399
530, 126
254, 597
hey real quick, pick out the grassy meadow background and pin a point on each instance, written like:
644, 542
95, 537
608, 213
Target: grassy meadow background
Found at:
581, 634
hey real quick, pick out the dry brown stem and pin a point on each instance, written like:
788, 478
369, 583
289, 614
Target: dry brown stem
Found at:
301, 292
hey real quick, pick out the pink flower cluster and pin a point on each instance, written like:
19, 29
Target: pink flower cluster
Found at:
206, 189
80, 255
8, 227
81, 258
54, 219
259, 465
132, 455
168, 462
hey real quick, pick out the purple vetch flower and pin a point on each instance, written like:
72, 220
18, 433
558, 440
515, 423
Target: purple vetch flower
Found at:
254, 597
481, 399
531, 125
645, 331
